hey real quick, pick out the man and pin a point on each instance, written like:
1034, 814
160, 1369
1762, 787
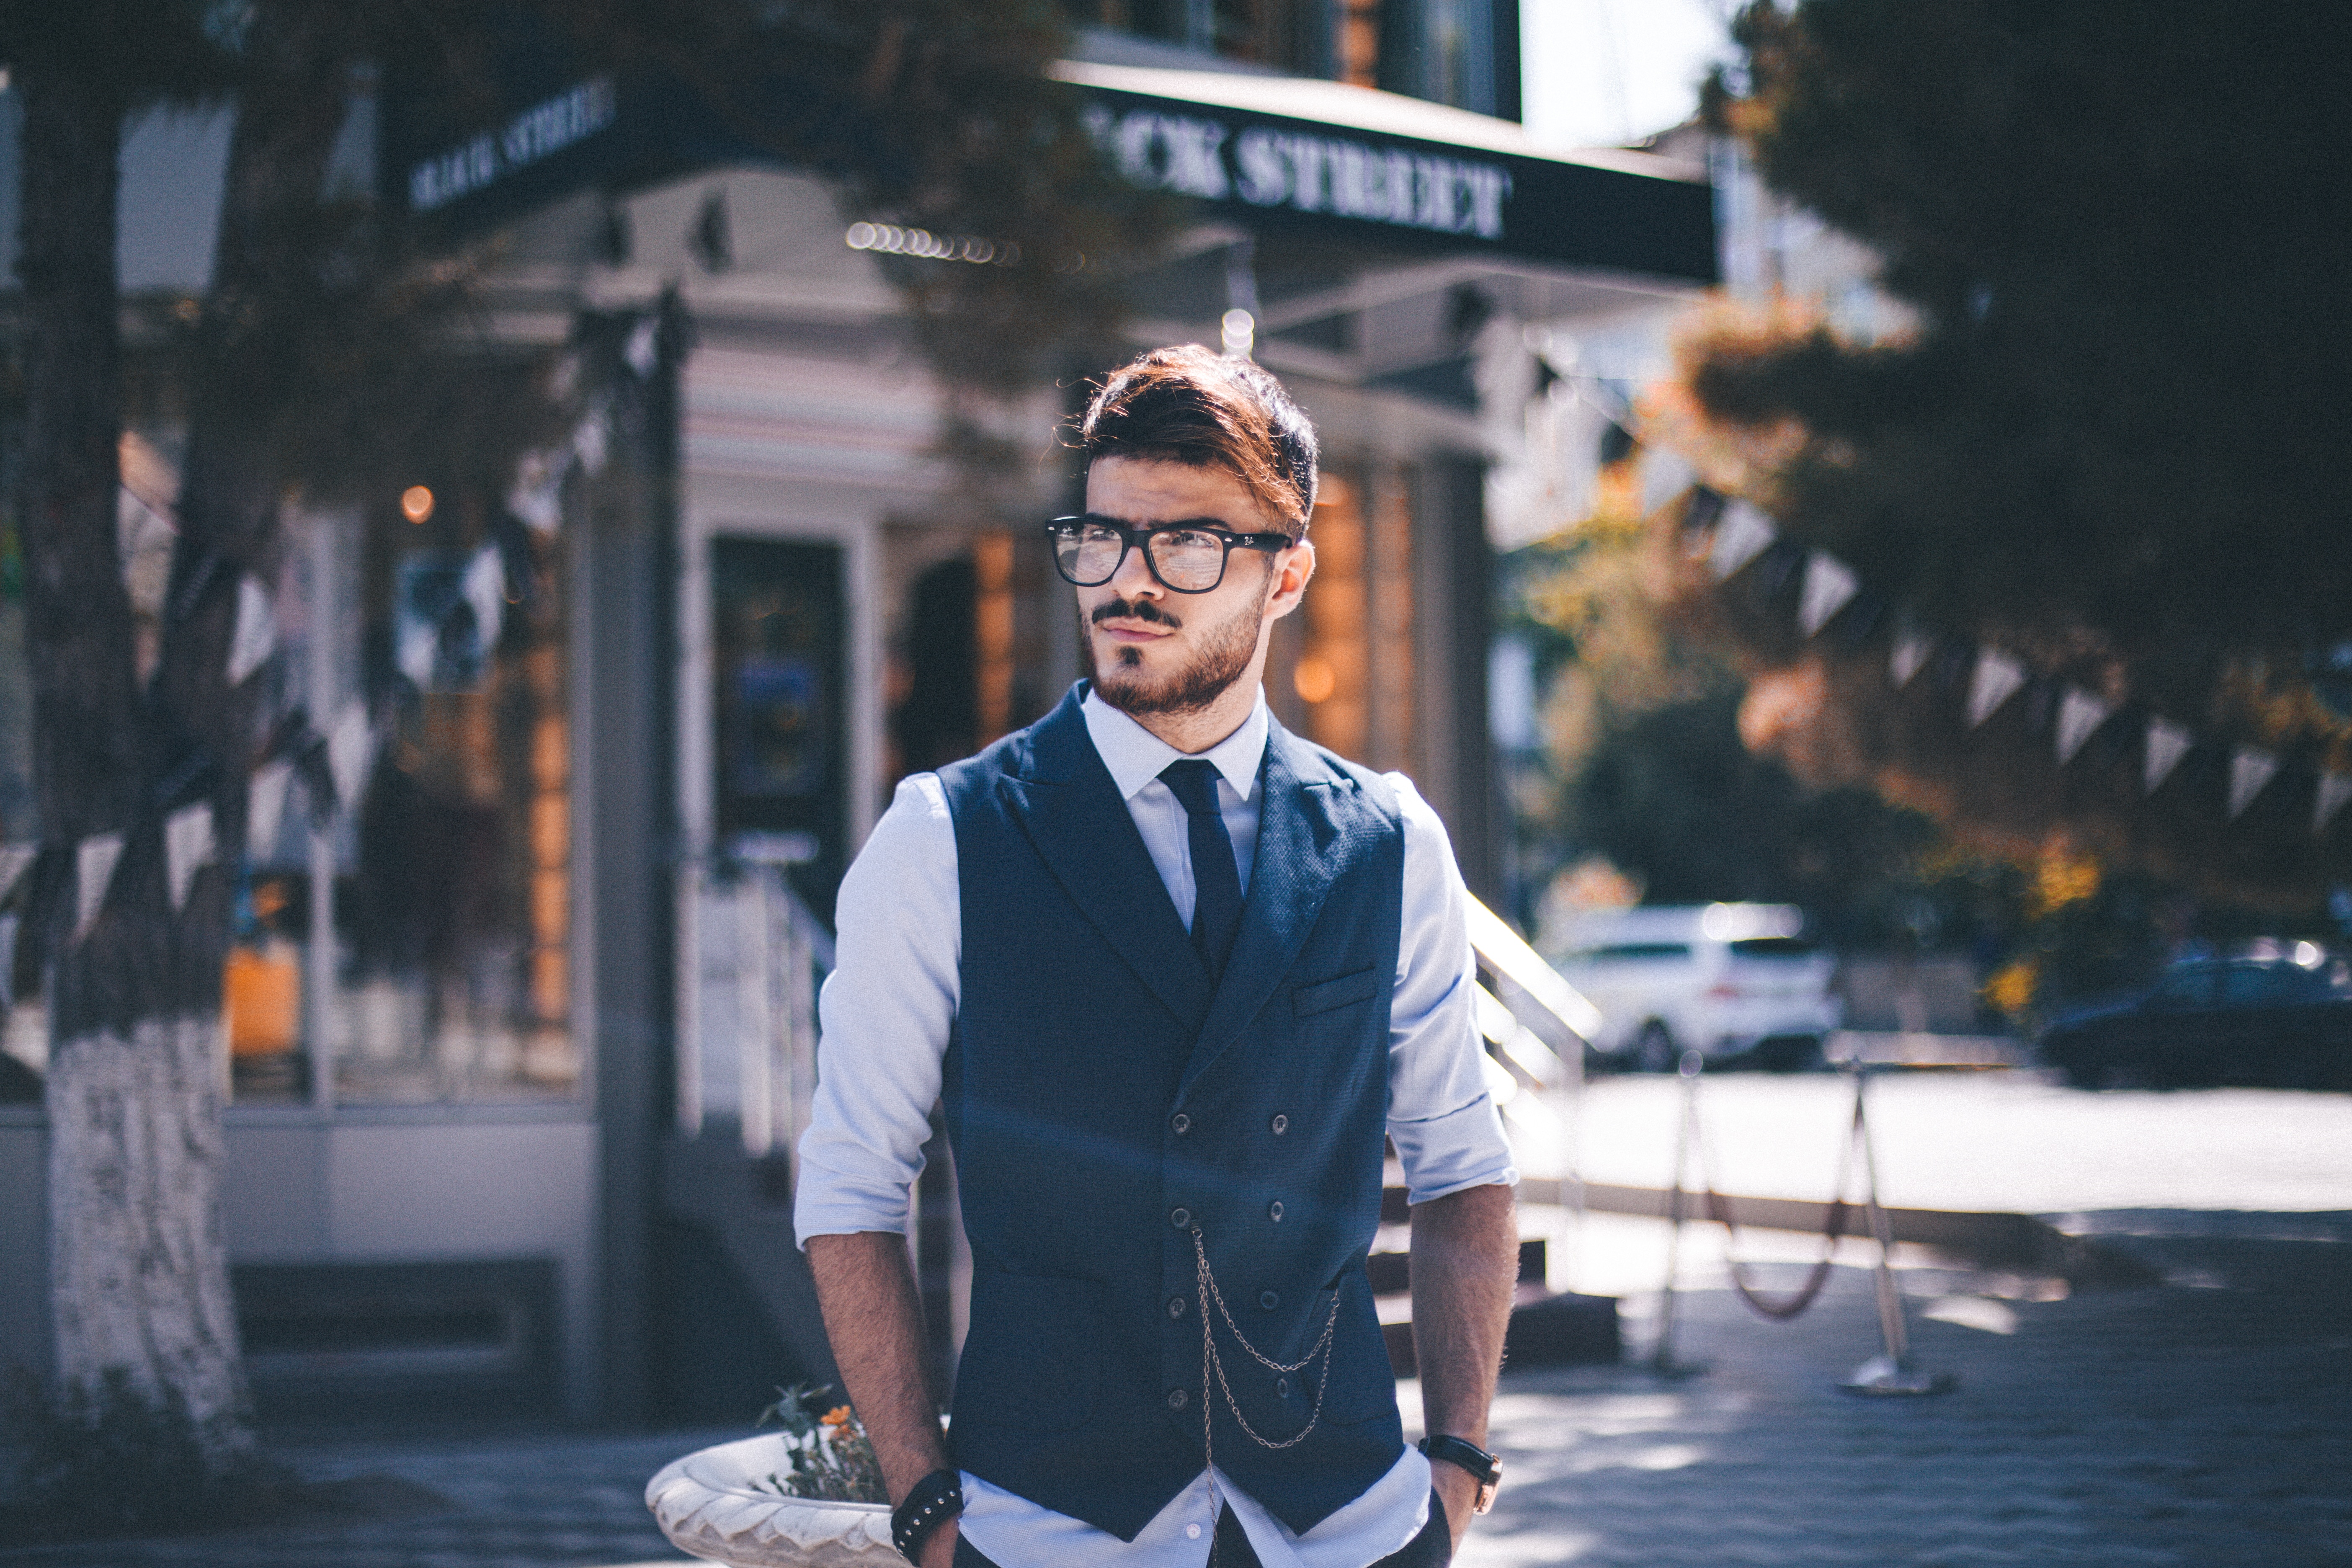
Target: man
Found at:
1175, 974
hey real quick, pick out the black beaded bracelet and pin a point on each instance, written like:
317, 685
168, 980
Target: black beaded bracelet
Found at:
936, 1498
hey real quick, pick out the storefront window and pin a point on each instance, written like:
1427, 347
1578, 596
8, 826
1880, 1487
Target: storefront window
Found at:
408, 916
783, 756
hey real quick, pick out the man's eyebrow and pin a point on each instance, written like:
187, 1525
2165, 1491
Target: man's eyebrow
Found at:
1216, 523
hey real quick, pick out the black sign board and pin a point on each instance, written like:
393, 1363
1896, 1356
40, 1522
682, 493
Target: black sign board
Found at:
1267, 171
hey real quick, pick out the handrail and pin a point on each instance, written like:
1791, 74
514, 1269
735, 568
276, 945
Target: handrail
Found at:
1508, 953
1520, 1046
755, 1064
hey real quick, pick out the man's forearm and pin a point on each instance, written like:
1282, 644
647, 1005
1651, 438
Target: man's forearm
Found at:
1465, 1254
866, 1290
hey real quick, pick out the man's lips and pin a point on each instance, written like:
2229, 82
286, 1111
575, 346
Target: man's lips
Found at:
1131, 631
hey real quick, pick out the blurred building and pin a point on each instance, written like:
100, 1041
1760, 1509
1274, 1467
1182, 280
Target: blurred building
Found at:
521, 1044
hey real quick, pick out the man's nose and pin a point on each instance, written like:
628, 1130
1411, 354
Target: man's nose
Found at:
1133, 580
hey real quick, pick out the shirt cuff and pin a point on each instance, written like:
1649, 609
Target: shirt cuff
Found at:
1459, 1150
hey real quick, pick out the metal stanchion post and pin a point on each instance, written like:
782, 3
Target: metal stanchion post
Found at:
1662, 1358
1890, 1371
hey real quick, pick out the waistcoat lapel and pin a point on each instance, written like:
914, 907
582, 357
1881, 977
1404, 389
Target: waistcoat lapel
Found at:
1067, 804
1290, 878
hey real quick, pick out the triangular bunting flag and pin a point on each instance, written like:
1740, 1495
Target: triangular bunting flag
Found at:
2079, 715
256, 636
265, 808
643, 348
1664, 476
350, 748
2334, 790
1909, 653
484, 586
1829, 583
2250, 769
1996, 680
2167, 744
187, 845
537, 496
1742, 535
15, 860
94, 861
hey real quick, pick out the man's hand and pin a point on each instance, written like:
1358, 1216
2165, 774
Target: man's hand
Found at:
1466, 1261
865, 1289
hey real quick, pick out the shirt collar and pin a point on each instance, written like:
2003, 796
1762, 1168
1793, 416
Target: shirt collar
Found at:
1135, 757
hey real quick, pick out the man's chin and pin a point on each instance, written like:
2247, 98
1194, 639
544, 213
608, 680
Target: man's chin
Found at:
1137, 691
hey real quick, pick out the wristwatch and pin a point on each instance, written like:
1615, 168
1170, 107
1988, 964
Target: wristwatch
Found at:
1487, 1468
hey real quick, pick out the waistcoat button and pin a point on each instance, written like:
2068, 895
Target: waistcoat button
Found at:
1274, 1210
1180, 1218
1281, 1124
1175, 1306
1179, 1124
1268, 1299
1176, 1399
1282, 1388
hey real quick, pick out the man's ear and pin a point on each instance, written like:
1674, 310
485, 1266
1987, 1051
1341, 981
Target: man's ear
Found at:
1292, 568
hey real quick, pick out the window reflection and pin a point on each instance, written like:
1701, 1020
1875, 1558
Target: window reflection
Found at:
457, 908
410, 917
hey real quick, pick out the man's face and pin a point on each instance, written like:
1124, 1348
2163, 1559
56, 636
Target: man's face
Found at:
1156, 651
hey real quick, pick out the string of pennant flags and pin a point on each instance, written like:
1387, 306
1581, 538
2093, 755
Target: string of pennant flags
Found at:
1742, 533
335, 764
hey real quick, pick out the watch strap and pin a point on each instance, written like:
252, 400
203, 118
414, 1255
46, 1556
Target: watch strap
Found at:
1483, 1466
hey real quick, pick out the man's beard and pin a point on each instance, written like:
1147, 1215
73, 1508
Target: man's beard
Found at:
1222, 658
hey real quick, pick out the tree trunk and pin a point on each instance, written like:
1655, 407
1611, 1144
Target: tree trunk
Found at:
138, 1270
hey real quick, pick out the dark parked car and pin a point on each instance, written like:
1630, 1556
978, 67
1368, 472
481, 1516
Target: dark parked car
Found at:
2270, 1022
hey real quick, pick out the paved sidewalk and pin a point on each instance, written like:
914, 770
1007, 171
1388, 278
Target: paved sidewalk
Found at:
554, 1500
2202, 1424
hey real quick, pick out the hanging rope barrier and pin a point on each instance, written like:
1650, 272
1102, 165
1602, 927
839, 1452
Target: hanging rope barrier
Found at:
1779, 1308
1889, 1373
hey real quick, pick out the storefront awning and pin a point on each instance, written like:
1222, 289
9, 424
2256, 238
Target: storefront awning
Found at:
1318, 158
1324, 155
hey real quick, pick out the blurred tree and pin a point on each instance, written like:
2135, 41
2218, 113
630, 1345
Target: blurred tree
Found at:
139, 1282
321, 360
2112, 443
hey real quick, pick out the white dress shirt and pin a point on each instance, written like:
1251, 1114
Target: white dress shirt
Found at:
888, 1007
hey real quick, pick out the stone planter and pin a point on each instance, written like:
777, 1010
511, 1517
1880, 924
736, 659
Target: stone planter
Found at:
716, 1503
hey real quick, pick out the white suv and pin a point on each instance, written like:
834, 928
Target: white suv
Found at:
1725, 980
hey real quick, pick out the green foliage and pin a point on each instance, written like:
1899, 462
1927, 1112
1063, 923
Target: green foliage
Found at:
1671, 797
2120, 225
111, 1460
831, 1455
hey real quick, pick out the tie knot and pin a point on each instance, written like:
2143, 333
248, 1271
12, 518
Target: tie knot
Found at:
1195, 784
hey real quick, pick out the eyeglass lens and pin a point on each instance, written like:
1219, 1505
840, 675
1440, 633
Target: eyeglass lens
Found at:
1190, 559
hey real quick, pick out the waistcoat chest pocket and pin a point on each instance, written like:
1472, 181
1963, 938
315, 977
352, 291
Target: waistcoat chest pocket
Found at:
1323, 995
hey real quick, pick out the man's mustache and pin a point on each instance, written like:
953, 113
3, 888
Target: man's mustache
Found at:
1139, 610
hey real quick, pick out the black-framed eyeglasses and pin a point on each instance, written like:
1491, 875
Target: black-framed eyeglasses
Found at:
1187, 557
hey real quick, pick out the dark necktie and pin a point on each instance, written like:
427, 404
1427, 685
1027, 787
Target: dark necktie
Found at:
1216, 879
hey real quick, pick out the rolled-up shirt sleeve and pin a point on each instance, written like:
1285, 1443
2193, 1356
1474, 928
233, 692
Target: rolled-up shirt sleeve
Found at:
885, 1016
1444, 1122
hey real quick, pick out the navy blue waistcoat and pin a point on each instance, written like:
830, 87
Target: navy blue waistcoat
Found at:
1103, 1101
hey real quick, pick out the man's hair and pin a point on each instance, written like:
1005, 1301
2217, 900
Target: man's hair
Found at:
1189, 405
